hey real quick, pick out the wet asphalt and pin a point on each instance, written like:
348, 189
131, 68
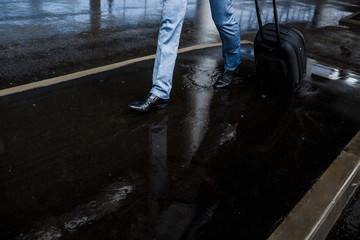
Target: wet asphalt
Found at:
224, 164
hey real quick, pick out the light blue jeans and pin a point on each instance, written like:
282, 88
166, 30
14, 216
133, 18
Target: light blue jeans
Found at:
169, 36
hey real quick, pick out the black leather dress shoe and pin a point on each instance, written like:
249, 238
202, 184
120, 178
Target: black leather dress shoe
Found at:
225, 79
149, 103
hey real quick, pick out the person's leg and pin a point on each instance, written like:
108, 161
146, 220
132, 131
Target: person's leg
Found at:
166, 53
222, 12
167, 46
223, 15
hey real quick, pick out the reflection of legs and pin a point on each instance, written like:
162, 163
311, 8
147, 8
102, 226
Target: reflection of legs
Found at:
168, 42
196, 121
218, 122
158, 173
171, 223
184, 216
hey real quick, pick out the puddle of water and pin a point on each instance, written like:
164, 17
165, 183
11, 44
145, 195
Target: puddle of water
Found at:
108, 201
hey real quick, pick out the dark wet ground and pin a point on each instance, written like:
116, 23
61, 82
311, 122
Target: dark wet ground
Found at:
214, 165
76, 164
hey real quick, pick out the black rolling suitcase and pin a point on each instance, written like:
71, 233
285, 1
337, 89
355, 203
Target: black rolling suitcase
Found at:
280, 55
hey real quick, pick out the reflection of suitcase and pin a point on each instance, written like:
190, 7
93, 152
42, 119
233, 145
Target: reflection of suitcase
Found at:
280, 55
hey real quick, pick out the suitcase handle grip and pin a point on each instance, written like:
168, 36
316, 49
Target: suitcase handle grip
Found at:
275, 17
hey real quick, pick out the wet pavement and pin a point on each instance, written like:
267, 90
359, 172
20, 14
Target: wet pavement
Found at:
77, 164
228, 164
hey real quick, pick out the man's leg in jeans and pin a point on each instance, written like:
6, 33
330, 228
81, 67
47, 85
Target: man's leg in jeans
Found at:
223, 15
166, 53
168, 43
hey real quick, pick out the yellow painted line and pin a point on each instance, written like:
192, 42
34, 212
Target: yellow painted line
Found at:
85, 73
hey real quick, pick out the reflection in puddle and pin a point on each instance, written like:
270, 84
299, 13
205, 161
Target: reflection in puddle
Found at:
229, 134
75, 223
351, 81
198, 104
323, 72
109, 200
51, 234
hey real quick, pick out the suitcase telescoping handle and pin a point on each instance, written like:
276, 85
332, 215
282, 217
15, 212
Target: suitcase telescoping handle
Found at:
275, 17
